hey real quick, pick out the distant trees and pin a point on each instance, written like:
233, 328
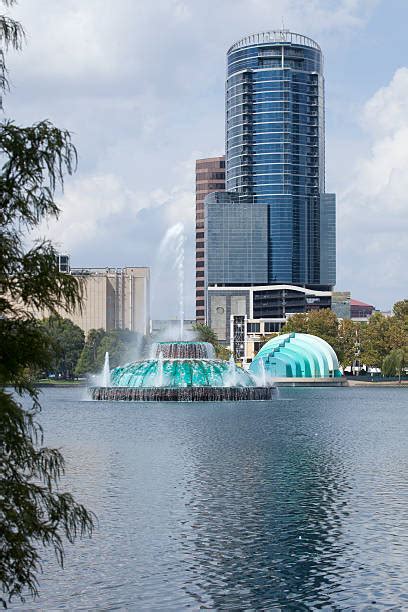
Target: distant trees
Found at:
207, 334
122, 346
381, 342
342, 336
322, 323
66, 341
395, 363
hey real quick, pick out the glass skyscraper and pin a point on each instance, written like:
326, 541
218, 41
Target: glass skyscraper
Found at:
275, 153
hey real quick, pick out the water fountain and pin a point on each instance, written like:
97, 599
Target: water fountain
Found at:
182, 371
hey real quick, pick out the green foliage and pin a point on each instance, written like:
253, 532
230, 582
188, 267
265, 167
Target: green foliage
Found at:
87, 362
122, 346
370, 342
322, 323
375, 340
341, 335
400, 310
347, 343
67, 341
395, 363
33, 512
206, 334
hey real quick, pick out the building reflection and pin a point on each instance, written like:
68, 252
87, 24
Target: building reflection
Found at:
266, 507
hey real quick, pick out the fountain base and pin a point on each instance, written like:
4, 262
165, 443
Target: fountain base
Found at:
182, 394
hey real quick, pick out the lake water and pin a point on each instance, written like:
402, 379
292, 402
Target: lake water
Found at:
298, 503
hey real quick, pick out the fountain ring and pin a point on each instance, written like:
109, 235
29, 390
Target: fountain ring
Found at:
182, 371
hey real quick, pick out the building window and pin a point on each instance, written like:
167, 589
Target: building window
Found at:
199, 283
199, 273
200, 293
200, 264
271, 327
253, 328
200, 303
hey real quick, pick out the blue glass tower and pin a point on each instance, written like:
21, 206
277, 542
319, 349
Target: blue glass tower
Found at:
275, 152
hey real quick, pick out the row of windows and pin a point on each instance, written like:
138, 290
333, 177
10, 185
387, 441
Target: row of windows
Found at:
285, 88
259, 103
203, 175
272, 189
280, 173
269, 138
209, 165
273, 112
263, 122
273, 48
272, 95
278, 127
284, 155
261, 76
254, 63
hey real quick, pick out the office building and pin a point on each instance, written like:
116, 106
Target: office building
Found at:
278, 226
240, 315
210, 176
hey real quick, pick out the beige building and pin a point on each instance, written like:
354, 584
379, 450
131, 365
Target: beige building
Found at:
114, 298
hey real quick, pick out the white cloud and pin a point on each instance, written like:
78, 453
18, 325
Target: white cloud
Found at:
373, 211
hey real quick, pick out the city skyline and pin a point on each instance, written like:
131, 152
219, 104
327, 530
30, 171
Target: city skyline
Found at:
139, 126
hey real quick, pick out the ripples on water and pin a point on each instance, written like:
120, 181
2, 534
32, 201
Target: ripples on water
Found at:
295, 504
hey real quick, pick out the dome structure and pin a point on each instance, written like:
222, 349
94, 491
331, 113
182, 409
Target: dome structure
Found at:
296, 355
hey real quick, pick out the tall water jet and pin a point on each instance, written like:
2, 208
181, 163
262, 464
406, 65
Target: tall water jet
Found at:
172, 250
160, 369
232, 372
262, 373
180, 274
106, 377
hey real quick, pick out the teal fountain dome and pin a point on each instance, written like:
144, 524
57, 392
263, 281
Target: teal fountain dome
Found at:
182, 371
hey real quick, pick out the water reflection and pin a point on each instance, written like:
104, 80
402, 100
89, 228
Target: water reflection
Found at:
266, 515
294, 504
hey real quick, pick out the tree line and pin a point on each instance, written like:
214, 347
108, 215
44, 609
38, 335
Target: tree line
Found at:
73, 355
381, 342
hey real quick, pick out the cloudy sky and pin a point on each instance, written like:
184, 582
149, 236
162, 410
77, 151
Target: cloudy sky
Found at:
140, 83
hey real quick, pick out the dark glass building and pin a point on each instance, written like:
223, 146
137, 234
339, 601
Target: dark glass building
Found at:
275, 154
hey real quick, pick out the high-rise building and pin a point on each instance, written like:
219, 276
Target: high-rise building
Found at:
275, 161
275, 150
210, 176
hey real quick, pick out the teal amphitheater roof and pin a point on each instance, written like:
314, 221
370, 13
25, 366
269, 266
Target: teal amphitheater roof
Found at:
296, 356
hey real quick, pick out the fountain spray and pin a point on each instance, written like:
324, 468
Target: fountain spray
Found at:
172, 247
106, 377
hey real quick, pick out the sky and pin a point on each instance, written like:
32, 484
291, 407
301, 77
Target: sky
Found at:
140, 84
